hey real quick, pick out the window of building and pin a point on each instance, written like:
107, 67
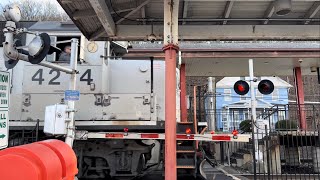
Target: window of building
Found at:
246, 115
281, 115
225, 123
224, 116
227, 94
275, 95
236, 116
235, 119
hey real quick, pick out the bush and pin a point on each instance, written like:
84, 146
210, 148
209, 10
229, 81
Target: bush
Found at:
286, 125
245, 126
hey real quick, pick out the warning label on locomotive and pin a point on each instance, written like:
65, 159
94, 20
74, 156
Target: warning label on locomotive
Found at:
4, 89
71, 95
4, 108
4, 122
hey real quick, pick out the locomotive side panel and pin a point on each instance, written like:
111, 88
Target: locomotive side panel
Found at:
133, 78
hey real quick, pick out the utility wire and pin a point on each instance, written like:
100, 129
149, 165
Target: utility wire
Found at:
135, 20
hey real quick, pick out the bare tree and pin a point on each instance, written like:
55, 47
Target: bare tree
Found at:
35, 10
1, 17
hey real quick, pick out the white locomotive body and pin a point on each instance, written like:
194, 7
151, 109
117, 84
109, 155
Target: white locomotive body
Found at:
113, 92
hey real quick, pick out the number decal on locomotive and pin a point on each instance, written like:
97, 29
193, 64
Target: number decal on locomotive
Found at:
88, 74
38, 76
40, 79
51, 82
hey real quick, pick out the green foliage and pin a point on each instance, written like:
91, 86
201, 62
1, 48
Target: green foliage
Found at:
286, 125
245, 126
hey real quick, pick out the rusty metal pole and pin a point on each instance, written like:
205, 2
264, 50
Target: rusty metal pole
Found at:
183, 94
195, 121
170, 48
170, 113
300, 97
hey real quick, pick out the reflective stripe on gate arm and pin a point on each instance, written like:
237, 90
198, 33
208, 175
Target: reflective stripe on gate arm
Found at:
191, 137
149, 136
111, 135
221, 138
185, 136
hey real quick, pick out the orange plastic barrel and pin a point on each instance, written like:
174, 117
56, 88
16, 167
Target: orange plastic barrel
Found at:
66, 155
30, 162
45, 160
18, 167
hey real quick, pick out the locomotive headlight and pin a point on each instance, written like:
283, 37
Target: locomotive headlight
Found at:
35, 46
12, 13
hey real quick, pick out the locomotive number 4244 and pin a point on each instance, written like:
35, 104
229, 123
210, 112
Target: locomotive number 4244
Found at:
54, 80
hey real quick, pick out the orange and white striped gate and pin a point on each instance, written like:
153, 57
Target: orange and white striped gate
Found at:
84, 135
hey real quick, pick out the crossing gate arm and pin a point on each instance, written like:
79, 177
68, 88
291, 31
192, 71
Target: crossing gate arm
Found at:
84, 135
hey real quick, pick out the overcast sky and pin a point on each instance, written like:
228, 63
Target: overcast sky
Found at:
4, 2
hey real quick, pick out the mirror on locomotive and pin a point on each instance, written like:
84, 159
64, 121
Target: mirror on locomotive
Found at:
65, 47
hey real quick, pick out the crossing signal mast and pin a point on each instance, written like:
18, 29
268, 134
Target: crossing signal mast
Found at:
265, 87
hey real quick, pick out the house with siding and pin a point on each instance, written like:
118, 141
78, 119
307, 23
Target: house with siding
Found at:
232, 109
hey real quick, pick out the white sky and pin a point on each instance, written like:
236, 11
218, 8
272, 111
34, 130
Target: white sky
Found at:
3, 2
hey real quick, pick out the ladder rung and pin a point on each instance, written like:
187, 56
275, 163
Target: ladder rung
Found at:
185, 122
186, 167
186, 151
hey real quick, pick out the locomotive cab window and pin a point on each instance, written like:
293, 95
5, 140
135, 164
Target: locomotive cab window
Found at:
64, 56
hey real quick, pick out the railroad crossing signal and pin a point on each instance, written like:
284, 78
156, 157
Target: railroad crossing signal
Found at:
265, 87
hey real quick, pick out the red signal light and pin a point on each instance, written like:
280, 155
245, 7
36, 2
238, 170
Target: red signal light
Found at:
188, 131
241, 87
235, 132
126, 130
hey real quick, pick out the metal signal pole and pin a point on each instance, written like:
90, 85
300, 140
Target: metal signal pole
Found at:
253, 117
72, 86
